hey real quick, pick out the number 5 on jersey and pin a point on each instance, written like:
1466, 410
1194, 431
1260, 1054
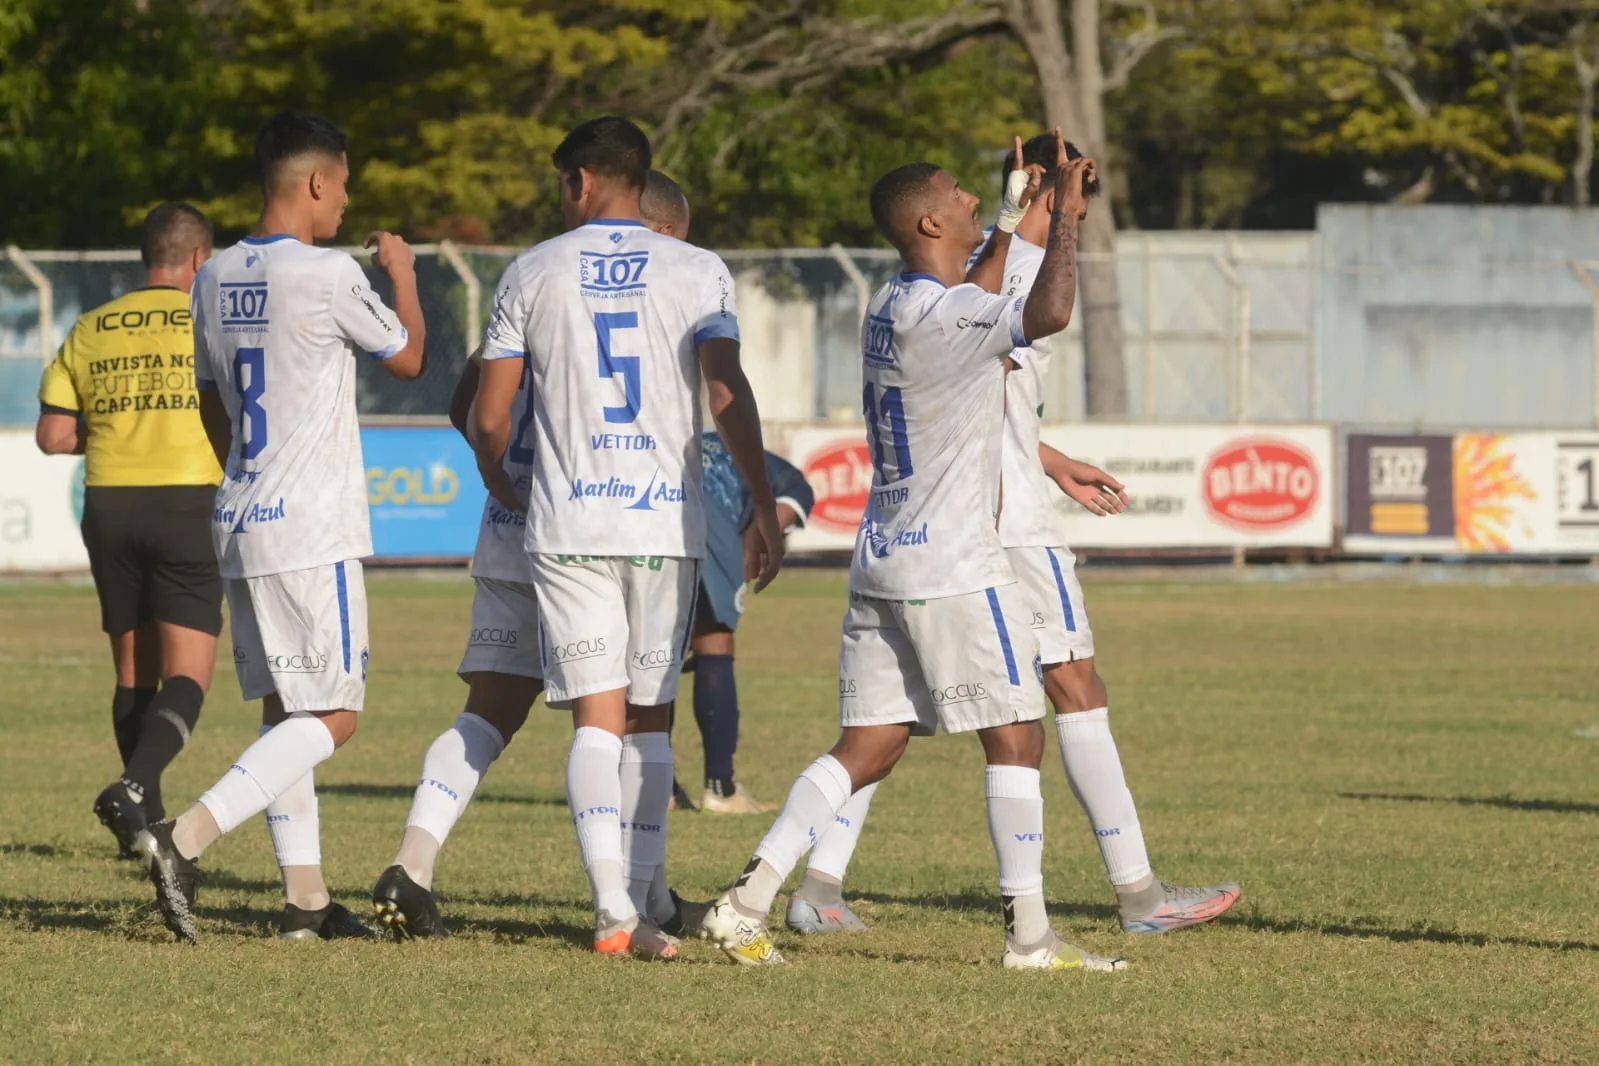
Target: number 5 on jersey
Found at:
251, 363
606, 325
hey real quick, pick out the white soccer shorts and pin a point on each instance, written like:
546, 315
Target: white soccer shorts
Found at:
301, 634
961, 662
614, 622
505, 630
1048, 578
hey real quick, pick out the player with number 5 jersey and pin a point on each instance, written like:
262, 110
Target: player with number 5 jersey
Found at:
277, 325
618, 325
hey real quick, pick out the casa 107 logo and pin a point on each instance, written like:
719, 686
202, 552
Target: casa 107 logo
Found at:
1260, 484
840, 475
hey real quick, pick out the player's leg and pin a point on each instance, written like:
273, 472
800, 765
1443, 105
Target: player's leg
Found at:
818, 905
984, 675
661, 596
882, 700
716, 710
583, 615
502, 672
319, 615
1088, 752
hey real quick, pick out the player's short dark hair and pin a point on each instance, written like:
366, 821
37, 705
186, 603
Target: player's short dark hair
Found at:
609, 146
172, 233
898, 197
663, 200
289, 135
1040, 152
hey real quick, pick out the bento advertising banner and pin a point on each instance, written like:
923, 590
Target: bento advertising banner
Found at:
1191, 486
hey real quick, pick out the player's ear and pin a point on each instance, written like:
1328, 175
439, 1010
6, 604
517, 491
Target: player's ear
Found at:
929, 226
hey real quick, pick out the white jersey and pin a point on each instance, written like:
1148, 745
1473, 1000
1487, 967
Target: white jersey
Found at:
934, 399
610, 315
501, 553
1027, 516
275, 325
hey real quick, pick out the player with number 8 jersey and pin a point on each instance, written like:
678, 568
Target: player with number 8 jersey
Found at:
277, 322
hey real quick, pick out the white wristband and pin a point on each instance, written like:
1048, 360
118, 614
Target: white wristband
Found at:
1011, 210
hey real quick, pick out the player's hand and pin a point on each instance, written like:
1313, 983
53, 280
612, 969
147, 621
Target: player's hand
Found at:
392, 256
1021, 189
1071, 178
1095, 490
763, 547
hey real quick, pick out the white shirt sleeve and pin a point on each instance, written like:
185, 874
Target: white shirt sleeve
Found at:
362, 317
506, 334
981, 326
204, 381
717, 313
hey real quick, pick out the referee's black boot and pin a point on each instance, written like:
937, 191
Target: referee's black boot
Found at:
123, 814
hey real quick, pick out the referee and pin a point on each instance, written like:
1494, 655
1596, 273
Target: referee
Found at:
121, 393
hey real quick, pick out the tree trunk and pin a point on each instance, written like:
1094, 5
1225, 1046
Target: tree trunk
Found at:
1587, 74
1072, 85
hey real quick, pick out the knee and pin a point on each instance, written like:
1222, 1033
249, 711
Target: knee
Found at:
183, 694
341, 725
1015, 745
869, 759
1075, 687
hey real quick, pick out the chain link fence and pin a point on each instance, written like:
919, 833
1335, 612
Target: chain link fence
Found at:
1219, 327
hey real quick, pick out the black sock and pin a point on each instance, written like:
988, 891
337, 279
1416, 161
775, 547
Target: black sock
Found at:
168, 721
722, 787
716, 711
127, 717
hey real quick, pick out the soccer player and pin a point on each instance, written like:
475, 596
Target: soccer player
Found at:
1029, 528
277, 323
938, 631
618, 324
121, 393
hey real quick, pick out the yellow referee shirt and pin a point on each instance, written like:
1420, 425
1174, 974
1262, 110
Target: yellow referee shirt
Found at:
127, 368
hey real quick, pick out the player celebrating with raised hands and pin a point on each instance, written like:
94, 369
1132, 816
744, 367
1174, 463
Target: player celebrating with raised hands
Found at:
618, 324
276, 323
937, 631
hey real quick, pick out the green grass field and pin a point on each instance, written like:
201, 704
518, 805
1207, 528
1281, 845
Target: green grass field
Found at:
1392, 773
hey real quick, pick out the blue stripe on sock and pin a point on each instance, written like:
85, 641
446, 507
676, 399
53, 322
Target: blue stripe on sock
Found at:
1004, 637
344, 612
1060, 583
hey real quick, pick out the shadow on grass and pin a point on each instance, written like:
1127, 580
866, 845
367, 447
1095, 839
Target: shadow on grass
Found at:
1506, 802
520, 931
1377, 931
36, 914
362, 790
982, 903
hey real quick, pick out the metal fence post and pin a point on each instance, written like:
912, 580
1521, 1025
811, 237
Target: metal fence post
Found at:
1582, 270
1241, 329
47, 316
474, 293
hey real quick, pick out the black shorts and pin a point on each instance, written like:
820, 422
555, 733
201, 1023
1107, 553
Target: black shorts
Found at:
151, 554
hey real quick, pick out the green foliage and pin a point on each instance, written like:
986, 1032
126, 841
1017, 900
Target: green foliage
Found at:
1250, 113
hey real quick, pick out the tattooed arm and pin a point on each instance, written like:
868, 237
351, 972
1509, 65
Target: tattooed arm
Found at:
1054, 294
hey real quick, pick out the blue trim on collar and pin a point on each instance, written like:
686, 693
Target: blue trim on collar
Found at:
920, 276
271, 238
616, 222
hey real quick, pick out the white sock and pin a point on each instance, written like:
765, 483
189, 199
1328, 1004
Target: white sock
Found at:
594, 796
836, 846
1094, 771
1016, 825
267, 769
296, 833
814, 801
451, 771
646, 780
